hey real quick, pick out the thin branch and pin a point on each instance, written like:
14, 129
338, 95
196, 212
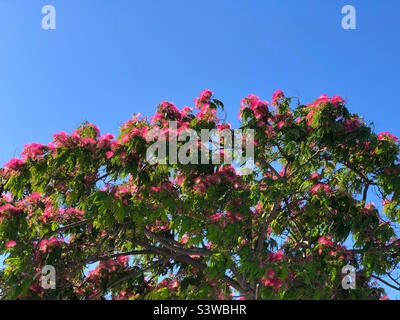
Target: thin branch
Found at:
115, 255
273, 214
134, 274
364, 198
385, 282
304, 164
186, 259
266, 164
166, 243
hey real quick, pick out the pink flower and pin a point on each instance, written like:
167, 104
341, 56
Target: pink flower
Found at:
337, 99
60, 138
320, 188
52, 147
33, 150
14, 164
90, 125
45, 245
157, 117
280, 124
387, 136
34, 197
106, 137
205, 95
386, 202
315, 175
122, 260
109, 154
88, 141
275, 256
215, 217
325, 241
270, 273
278, 94
11, 244
271, 281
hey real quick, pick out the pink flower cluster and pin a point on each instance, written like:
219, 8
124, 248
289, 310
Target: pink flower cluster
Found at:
278, 95
271, 280
324, 188
274, 257
335, 250
163, 187
11, 244
224, 173
351, 124
102, 272
326, 241
324, 99
134, 132
88, 129
204, 98
47, 245
206, 113
34, 151
8, 211
14, 165
315, 106
124, 295
106, 267
86, 136
34, 197
388, 137
73, 213
259, 108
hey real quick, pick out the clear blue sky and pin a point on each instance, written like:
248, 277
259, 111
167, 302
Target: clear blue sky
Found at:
108, 59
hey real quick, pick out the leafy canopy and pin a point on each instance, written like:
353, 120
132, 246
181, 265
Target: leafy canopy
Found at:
204, 231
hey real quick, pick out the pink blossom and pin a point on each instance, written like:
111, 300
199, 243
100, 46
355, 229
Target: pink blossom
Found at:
109, 154
122, 260
275, 256
11, 244
33, 150
205, 95
14, 164
60, 138
320, 187
45, 245
280, 124
278, 94
315, 175
326, 241
387, 136
216, 217
34, 197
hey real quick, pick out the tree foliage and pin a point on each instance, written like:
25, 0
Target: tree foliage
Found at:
205, 231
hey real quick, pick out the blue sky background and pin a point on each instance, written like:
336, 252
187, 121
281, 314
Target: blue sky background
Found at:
108, 59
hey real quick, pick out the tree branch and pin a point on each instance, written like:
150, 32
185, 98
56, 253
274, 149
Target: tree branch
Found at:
385, 282
165, 242
304, 164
